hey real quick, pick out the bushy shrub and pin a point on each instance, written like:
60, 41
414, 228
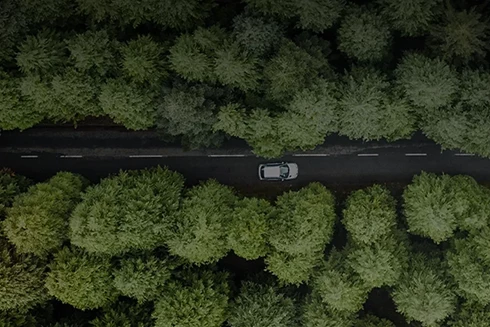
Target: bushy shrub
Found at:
130, 211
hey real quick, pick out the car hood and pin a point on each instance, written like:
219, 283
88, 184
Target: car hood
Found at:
293, 170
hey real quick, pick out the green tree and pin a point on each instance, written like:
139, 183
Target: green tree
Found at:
21, 280
143, 276
143, 60
42, 53
427, 83
199, 231
474, 88
11, 185
16, 111
338, 286
364, 35
93, 52
247, 235
13, 24
471, 315
192, 55
373, 321
410, 17
369, 111
256, 35
81, 280
236, 68
424, 292
300, 228
47, 10
124, 313
461, 35
260, 305
37, 223
190, 112
128, 104
132, 210
370, 214
195, 298
17, 319
283, 9
318, 314
318, 15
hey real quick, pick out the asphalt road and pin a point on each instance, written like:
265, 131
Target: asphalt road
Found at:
40, 153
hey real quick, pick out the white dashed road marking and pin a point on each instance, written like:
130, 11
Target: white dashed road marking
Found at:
71, 157
226, 155
368, 154
311, 155
415, 154
29, 157
464, 154
147, 156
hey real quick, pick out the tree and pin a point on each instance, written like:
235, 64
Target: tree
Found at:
10, 186
427, 83
124, 313
13, 24
247, 235
410, 17
318, 15
369, 111
300, 228
143, 61
468, 266
198, 231
373, 321
471, 315
260, 305
338, 286
318, 314
192, 55
41, 54
143, 276
37, 223
461, 35
424, 293
17, 319
128, 104
130, 211
93, 52
283, 9
15, 110
190, 112
21, 280
235, 68
364, 35
474, 88
256, 35
195, 298
292, 269
80, 279
370, 214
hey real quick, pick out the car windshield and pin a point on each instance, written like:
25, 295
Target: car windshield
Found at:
284, 171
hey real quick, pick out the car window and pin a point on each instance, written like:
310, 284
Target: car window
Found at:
284, 171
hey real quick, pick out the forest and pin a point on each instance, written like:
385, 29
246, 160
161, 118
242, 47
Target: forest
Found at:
281, 75
142, 249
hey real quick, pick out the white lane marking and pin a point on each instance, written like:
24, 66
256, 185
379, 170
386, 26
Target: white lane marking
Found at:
226, 155
368, 154
29, 157
464, 154
415, 154
147, 156
311, 155
71, 157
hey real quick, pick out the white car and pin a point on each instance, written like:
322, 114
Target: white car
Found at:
283, 171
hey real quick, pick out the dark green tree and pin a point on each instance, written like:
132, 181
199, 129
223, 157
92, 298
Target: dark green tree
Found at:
410, 17
424, 292
256, 35
373, 321
143, 276
461, 35
247, 235
364, 35
194, 298
260, 305
11, 185
130, 211
37, 223
318, 314
471, 315
21, 280
370, 214
199, 230
283, 9
143, 60
124, 313
299, 230
128, 104
93, 52
318, 15
81, 280
189, 112
427, 83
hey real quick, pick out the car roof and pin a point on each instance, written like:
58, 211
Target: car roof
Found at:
272, 172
